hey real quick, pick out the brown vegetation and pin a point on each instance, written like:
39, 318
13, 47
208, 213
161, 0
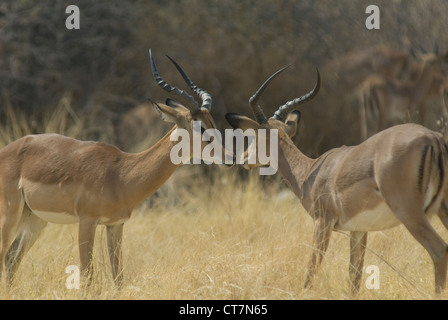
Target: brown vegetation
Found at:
225, 46
234, 238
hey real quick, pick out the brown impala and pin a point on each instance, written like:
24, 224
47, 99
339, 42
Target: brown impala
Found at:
399, 175
52, 178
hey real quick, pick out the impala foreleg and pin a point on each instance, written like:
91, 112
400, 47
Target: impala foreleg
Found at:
358, 241
87, 228
443, 214
114, 237
10, 215
321, 237
362, 115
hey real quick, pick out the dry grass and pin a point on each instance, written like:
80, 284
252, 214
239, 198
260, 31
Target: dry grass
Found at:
62, 119
231, 240
215, 236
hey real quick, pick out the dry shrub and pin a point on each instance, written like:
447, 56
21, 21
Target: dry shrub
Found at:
228, 48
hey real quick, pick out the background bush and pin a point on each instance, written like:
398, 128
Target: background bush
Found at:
226, 47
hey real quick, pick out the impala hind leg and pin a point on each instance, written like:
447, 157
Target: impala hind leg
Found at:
29, 230
10, 215
420, 228
114, 236
358, 242
321, 237
443, 214
86, 237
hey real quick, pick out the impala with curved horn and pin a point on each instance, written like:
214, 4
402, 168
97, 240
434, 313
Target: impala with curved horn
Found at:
400, 175
52, 178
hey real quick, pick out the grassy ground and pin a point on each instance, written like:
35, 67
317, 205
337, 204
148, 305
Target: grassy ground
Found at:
231, 240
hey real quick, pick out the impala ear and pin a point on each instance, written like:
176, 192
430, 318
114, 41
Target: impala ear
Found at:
292, 120
170, 111
238, 121
176, 105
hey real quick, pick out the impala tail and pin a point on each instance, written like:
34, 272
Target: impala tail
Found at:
433, 178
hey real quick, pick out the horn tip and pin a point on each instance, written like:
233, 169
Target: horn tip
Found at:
319, 78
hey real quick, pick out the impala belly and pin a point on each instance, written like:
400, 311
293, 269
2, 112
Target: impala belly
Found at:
378, 218
56, 217
63, 203
52, 203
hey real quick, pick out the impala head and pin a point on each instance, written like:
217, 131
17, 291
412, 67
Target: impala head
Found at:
284, 120
185, 112
434, 61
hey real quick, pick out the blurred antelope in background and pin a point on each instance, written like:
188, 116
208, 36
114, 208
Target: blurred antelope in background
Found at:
354, 66
386, 96
399, 175
443, 121
444, 93
53, 178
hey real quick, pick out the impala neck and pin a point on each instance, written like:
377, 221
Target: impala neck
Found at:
293, 165
425, 81
147, 171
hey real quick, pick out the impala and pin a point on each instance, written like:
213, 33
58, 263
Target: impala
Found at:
442, 123
52, 178
399, 175
444, 95
384, 60
384, 95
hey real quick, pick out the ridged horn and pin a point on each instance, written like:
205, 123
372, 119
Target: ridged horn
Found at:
289, 106
178, 95
205, 97
253, 101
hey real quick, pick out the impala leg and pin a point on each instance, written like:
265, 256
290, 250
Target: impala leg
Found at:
382, 119
379, 102
363, 117
422, 113
321, 238
87, 228
14, 256
114, 237
10, 214
424, 233
30, 227
358, 241
443, 214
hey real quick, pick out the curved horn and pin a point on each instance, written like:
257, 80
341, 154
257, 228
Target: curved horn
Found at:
181, 95
283, 110
203, 95
253, 101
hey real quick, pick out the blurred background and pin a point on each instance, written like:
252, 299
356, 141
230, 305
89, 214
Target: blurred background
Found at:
98, 78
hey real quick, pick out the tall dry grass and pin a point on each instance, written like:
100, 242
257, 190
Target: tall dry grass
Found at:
61, 119
231, 240
216, 236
